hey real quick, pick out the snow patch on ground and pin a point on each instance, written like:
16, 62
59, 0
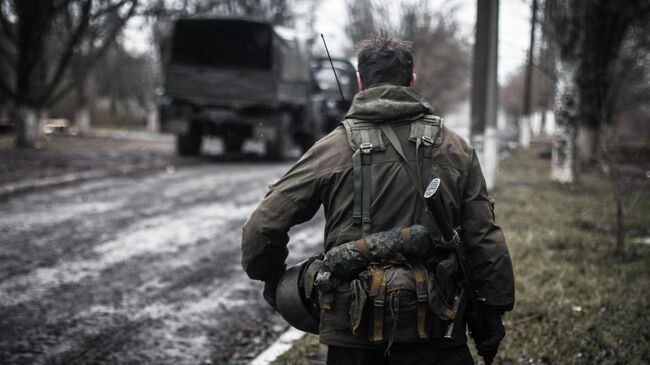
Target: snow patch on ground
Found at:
160, 234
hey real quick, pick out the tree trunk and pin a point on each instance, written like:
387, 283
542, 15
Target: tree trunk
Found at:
525, 130
542, 122
587, 143
564, 164
490, 157
620, 227
27, 126
82, 119
82, 112
153, 121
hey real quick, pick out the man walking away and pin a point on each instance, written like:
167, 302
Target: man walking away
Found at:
364, 184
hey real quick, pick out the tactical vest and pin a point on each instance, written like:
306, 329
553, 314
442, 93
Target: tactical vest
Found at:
365, 139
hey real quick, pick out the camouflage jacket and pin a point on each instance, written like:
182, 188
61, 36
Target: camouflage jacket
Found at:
324, 176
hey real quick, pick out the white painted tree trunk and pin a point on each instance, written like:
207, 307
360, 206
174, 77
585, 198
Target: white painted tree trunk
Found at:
27, 126
524, 130
587, 143
563, 159
82, 119
490, 157
153, 122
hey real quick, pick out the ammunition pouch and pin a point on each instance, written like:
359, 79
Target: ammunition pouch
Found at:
389, 301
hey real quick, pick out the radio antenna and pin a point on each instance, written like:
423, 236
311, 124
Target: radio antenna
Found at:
332, 64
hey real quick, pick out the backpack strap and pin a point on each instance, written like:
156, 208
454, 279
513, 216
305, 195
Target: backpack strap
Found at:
426, 132
421, 289
378, 288
364, 138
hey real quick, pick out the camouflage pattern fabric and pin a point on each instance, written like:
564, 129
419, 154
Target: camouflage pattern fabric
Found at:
346, 262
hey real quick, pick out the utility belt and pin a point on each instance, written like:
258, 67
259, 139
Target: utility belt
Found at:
388, 287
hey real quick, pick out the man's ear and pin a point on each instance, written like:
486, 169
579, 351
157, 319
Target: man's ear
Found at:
414, 78
362, 86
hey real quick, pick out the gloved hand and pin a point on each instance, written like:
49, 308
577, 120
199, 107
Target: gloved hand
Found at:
269, 293
495, 331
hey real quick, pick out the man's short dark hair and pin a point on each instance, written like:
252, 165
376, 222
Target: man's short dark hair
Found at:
385, 61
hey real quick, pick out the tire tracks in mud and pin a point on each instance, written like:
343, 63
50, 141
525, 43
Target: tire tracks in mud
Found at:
164, 286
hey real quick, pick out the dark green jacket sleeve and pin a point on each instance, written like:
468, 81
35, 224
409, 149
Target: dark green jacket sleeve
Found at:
485, 244
292, 200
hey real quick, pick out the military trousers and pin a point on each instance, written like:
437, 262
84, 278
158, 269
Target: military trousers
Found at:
456, 355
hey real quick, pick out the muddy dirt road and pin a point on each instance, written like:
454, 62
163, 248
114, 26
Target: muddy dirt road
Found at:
138, 269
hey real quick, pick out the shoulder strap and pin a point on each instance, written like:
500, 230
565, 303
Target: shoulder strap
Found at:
426, 132
364, 138
394, 140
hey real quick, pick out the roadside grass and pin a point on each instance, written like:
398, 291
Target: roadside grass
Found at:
578, 302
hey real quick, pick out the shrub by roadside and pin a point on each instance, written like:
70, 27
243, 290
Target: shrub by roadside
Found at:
577, 302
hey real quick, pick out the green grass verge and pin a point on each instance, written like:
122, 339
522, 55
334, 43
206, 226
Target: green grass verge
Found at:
305, 352
577, 301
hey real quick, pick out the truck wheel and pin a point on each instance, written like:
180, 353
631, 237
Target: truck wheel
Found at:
232, 144
279, 149
189, 144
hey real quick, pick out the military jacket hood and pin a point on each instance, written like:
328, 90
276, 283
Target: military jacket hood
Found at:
387, 102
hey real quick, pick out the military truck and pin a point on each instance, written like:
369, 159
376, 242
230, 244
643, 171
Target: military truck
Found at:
237, 79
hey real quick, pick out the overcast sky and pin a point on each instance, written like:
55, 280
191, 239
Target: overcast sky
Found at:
331, 17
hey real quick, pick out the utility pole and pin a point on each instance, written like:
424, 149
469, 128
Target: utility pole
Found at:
483, 128
526, 118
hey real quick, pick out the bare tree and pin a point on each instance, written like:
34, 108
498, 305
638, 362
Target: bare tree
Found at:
127, 81
361, 19
48, 47
565, 29
441, 56
629, 92
588, 35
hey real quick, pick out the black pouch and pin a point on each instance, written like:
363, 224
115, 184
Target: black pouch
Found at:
335, 306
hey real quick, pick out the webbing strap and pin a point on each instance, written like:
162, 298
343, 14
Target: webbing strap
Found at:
366, 183
326, 300
380, 299
356, 204
394, 140
377, 275
408, 244
423, 160
361, 166
423, 298
362, 246
419, 204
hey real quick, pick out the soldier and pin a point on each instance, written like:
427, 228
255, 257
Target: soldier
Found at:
365, 187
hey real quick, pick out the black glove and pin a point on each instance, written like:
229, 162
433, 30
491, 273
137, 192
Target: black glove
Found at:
495, 333
269, 293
